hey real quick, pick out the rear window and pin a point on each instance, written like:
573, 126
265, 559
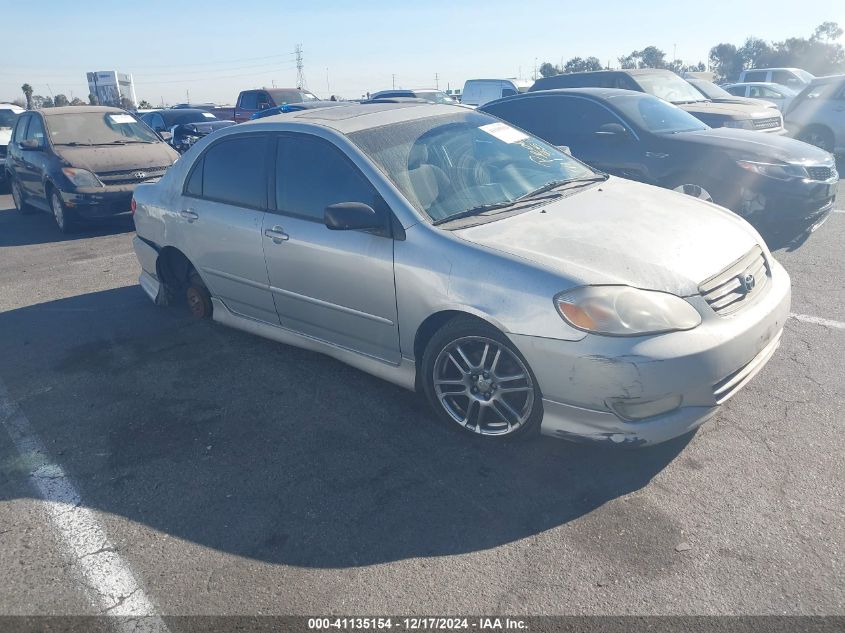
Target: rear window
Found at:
755, 75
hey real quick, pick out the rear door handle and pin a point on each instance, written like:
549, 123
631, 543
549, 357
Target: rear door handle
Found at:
277, 234
189, 215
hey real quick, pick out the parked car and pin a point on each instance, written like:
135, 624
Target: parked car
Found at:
817, 114
717, 94
294, 107
8, 116
477, 92
790, 77
182, 127
195, 106
444, 250
82, 162
668, 86
776, 183
428, 94
252, 101
779, 95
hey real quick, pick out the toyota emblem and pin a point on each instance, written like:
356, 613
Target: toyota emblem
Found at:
747, 282
139, 175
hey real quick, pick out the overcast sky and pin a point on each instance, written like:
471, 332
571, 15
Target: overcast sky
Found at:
215, 49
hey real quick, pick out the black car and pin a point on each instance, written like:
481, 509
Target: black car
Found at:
717, 94
182, 127
668, 86
775, 182
82, 162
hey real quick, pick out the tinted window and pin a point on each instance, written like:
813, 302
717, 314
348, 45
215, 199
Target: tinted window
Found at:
556, 119
155, 121
235, 172
194, 186
755, 76
20, 128
508, 92
655, 115
313, 174
249, 100
786, 78
737, 91
35, 130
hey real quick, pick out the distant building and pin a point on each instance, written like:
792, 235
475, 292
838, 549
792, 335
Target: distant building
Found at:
111, 87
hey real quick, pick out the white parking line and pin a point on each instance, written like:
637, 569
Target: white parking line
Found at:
839, 210
111, 585
806, 318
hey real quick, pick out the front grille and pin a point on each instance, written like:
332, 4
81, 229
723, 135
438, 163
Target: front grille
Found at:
767, 124
733, 289
820, 173
730, 384
130, 176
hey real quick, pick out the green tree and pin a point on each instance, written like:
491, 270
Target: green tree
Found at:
726, 61
756, 53
92, 99
649, 57
126, 104
548, 70
579, 65
827, 31
60, 100
145, 105
77, 102
27, 92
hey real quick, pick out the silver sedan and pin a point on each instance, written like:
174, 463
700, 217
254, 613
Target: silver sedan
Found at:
448, 252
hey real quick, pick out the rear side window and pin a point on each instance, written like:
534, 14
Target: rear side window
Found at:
312, 174
234, 172
558, 120
759, 75
249, 100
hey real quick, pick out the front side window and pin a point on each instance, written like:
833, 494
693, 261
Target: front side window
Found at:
98, 128
249, 100
312, 174
737, 91
20, 128
35, 132
234, 171
655, 115
452, 164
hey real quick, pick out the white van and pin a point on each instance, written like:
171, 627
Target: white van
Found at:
477, 92
790, 77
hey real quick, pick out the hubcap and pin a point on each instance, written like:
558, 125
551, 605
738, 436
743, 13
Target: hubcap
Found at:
483, 386
696, 191
58, 211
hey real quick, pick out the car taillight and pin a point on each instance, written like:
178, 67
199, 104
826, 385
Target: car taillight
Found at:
133, 206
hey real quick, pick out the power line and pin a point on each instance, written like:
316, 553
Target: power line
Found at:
179, 81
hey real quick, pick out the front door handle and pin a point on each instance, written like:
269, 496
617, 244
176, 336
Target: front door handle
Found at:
189, 215
277, 234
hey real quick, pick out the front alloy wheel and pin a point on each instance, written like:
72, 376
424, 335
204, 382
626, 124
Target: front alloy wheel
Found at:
17, 197
483, 385
59, 212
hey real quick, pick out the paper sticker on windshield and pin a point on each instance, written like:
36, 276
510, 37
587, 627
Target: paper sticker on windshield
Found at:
121, 118
504, 132
208, 115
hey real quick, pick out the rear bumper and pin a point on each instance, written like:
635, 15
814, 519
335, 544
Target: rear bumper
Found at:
147, 257
696, 371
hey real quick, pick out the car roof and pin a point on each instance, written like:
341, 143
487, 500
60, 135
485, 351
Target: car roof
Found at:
598, 93
11, 106
48, 112
826, 80
354, 117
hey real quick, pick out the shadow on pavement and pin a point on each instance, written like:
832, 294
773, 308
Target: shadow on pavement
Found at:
38, 227
278, 454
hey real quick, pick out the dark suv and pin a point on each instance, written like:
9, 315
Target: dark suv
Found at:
82, 162
670, 87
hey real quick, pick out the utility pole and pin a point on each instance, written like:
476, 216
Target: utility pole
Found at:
300, 67
188, 95
535, 70
394, 80
674, 52
436, 81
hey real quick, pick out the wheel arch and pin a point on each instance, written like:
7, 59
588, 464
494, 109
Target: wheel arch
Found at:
173, 269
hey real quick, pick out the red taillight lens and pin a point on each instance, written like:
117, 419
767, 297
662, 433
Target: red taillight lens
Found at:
133, 206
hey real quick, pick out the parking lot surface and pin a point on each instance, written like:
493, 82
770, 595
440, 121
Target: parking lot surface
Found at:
234, 475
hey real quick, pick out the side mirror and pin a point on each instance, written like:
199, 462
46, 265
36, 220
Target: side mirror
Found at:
352, 216
165, 136
263, 106
612, 130
32, 145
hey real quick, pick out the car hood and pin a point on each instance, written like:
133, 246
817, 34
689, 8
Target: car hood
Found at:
117, 158
746, 144
759, 103
736, 111
5, 135
623, 232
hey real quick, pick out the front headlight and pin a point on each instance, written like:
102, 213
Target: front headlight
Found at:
779, 171
745, 124
81, 177
625, 311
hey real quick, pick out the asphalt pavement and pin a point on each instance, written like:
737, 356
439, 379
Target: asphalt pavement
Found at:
234, 475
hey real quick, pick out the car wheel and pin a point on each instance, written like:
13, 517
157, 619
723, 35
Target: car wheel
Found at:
61, 214
18, 198
199, 299
695, 190
475, 378
818, 136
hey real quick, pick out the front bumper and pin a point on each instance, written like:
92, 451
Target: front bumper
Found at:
704, 367
99, 202
785, 206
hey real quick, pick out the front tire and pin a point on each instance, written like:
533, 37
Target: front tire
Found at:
61, 214
18, 197
476, 379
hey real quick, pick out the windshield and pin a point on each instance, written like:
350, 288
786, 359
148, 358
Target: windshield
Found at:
190, 117
711, 90
669, 87
98, 128
448, 165
281, 97
435, 96
655, 115
8, 117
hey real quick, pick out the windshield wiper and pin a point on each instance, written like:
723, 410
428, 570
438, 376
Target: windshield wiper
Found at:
475, 211
75, 144
554, 184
